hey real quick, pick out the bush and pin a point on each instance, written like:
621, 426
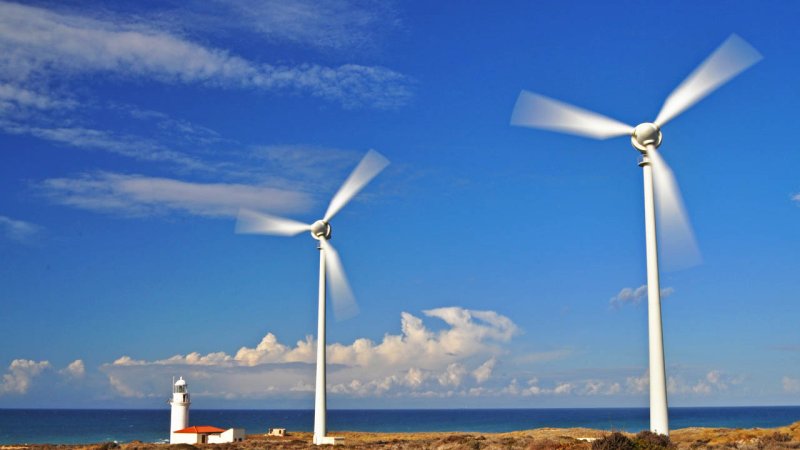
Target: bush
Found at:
647, 440
777, 437
614, 441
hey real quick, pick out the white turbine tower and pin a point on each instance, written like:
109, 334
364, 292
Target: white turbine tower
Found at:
533, 110
343, 302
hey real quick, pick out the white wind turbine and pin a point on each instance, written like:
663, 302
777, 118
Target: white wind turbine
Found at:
533, 110
258, 223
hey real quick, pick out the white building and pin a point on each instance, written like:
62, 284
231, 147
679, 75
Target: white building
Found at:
181, 433
204, 434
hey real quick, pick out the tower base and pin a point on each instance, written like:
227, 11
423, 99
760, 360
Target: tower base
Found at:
329, 440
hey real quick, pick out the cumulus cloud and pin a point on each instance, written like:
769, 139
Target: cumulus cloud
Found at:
20, 375
590, 387
638, 385
484, 371
35, 42
75, 369
139, 195
452, 375
791, 385
633, 296
416, 362
18, 230
713, 381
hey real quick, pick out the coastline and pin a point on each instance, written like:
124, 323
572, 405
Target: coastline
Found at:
541, 438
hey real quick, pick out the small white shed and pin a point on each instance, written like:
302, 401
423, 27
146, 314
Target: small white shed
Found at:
205, 434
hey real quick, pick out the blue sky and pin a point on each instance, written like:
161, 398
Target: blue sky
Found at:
493, 265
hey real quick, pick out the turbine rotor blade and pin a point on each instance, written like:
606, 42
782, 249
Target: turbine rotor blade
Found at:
344, 303
537, 111
728, 60
370, 166
251, 222
678, 246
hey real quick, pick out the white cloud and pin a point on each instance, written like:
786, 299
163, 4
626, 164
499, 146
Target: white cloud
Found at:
21, 373
75, 369
713, 381
18, 97
796, 198
791, 385
18, 230
639, 384
414, 377
452, 375
418, 361
91, 139
36, 42
335, 24
123, 389
563, 388
634, 296
139, 195
484, 371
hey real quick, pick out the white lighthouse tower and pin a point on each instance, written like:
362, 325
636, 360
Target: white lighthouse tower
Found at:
180, 408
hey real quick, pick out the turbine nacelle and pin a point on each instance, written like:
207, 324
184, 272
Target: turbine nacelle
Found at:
645, 135
321, 229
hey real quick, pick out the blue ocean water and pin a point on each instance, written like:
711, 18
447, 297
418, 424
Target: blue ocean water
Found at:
65, 426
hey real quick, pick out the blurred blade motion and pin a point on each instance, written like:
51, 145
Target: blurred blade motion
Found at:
537, 111
344, 303
728, 60
370, 166
678, 249
251, 222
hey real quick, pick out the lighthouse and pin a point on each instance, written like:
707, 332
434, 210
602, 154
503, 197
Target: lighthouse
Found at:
180, 408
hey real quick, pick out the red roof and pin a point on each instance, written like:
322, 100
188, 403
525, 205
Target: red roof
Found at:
201, 429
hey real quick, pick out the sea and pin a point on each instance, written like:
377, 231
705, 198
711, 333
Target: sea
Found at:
73, 426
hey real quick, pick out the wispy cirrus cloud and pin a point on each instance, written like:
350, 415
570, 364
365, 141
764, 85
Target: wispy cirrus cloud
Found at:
37, 43
633, 296
16, 97
91, 139
330, 25
18, 230
139, 195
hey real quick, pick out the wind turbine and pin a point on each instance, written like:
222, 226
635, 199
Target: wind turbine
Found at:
344, 304
536, 111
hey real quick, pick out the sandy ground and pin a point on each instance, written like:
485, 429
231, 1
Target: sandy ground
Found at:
543, 438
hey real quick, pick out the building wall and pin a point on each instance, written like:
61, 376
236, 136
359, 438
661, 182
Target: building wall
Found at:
184, 438
229, 435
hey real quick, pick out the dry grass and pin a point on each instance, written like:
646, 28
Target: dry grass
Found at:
543, 438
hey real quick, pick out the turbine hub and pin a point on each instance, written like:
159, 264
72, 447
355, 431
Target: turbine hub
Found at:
321, 229
645, 134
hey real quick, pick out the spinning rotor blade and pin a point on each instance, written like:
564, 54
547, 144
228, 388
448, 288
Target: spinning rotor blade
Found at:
371, 165
537, 111
731, 58
252, 222
678, 247
344, 304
